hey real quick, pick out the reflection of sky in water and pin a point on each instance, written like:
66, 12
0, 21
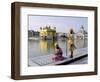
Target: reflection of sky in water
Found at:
46, 47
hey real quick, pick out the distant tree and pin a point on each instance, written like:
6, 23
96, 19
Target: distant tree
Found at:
40, 28
49, 27
55, 28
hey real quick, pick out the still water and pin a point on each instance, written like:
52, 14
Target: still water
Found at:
46, 47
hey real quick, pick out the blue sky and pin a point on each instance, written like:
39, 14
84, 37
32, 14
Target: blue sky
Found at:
62, 23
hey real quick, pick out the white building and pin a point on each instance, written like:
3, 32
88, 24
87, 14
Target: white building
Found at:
82, 34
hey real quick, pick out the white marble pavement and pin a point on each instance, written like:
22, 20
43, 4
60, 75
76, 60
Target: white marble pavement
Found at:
47, 59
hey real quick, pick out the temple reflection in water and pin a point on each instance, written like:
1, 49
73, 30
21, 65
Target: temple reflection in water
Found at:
46, 47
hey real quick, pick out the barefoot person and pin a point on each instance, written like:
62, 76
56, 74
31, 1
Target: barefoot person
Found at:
71, 42
58, 53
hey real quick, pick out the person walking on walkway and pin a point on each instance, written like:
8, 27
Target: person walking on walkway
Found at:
71, 42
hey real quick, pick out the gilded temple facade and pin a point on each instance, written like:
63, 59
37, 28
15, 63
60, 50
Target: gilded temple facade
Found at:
47, 32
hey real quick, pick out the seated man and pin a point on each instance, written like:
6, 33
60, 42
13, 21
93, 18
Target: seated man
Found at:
58, 53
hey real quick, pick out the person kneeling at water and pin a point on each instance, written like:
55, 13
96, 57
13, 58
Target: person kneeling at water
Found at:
58, 53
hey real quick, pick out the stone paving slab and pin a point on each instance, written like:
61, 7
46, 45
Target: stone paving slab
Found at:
47, 59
